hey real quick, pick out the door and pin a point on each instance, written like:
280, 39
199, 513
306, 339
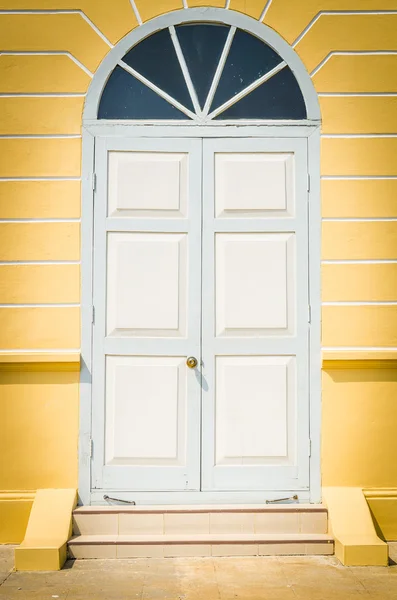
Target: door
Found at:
147, 288
201, 249
255, 315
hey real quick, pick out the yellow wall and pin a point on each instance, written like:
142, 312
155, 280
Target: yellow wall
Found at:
41, 408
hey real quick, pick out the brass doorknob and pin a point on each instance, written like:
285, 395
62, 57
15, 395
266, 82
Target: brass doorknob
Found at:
191, 362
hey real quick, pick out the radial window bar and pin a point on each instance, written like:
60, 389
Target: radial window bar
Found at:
201, 114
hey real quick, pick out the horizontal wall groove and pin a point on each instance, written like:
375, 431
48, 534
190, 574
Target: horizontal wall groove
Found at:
359, 303
41, 94
43, 305
41, 350
44, 136
357, 177
359, 348
60, 220
49, 53
356, 94
38, 262
40, 178
357, 219
358, 261
38, 11
358, 135
351, 53
342, 13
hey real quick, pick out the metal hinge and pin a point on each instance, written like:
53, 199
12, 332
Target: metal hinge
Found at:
94, 181
93, 315
310, 448
308, 183
309, 314
90, 447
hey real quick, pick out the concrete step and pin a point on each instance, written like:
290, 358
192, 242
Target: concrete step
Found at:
164, 546
200, 519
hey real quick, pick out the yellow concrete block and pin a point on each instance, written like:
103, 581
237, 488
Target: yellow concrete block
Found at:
358, 197
39, 327
358, 156
359, 326
58, 32
40, 157
14, 515
48, 530
42, 409
149, 10
114, 19
253, 8
41, 284
39, 241
346, 32
383, 506
214, 3
40, 74
291, 18
359, 240
359, 413
359, 114
40, 115
358, 282
40, 199
356, 542
357, 73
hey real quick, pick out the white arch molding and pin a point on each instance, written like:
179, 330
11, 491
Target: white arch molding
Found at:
94, 128
197, 15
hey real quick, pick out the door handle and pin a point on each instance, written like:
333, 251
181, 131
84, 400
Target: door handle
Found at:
192, 362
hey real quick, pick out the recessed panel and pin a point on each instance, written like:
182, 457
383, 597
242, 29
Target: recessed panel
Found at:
144, 184
145, 411
147, 284
255, 410
254, 184
254, 284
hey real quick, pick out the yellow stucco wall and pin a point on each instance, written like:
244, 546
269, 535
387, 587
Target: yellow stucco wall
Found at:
39, 410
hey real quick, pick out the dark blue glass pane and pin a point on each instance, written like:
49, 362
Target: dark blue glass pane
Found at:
202, 47
155, 58
278, 98
124, 97
249, 58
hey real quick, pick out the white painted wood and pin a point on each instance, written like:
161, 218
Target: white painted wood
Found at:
146, 402
185, 70
254, 185
219, 71
145, 184
143, 268
256, 341
255, 284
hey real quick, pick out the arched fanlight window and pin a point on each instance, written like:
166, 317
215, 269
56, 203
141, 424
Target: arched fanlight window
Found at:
202, 71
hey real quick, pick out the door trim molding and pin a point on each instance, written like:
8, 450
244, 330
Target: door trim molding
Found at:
312, 136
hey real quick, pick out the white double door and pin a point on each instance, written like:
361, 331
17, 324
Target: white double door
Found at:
201, 250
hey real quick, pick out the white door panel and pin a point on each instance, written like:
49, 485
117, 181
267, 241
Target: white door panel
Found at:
201, 249
255, 309
147, 265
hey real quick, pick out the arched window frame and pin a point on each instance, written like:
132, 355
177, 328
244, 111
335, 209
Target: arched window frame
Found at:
197, 15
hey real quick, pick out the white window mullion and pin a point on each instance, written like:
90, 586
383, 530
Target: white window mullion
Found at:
185, 70
250, 88
157, 90
219, 71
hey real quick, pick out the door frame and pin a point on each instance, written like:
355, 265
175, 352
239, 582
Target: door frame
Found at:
309, 132
308, 129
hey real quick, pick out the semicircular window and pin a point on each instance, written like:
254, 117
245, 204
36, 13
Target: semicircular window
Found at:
200, 72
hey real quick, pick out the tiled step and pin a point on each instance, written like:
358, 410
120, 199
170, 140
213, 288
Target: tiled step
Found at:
201, 520
157, 546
